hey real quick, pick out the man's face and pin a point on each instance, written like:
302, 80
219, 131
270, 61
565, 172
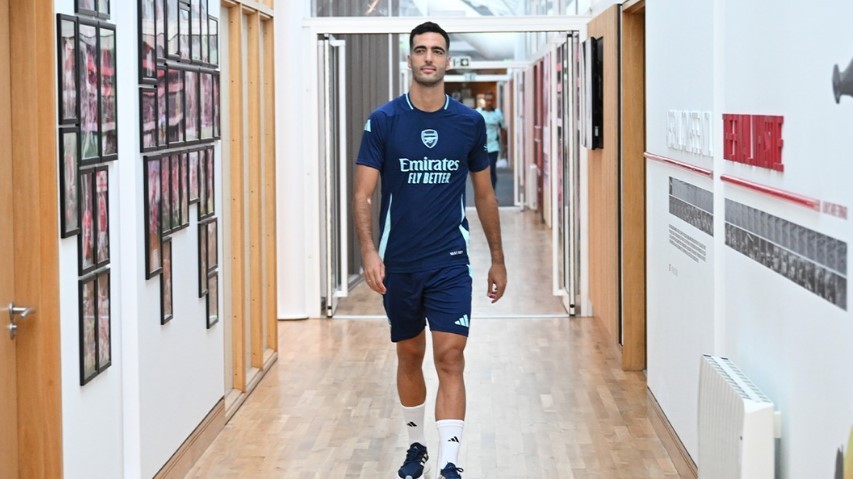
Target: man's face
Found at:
428, 58
490, 102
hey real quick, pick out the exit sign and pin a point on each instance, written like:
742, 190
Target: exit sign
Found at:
460, 62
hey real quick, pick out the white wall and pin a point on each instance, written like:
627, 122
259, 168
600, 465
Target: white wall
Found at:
756, 58
163, 380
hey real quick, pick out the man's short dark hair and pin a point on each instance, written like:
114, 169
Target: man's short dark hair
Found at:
428, 27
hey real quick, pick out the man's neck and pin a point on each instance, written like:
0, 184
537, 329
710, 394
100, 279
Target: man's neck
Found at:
427, 98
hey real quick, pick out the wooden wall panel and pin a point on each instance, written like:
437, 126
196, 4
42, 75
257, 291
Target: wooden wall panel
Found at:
633, 190
603, 179
253, 198
270, 260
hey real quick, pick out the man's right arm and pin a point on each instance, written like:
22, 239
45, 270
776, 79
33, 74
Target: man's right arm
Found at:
366, 179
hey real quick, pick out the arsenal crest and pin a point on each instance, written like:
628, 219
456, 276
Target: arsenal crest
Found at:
430, 138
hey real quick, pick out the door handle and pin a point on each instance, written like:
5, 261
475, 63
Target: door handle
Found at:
15, 313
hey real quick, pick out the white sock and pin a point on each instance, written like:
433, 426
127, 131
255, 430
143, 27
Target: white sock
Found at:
449, 440
414, 417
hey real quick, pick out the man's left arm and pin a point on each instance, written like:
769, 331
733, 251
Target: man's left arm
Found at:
487, 211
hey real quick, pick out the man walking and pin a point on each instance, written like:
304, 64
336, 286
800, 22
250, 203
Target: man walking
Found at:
423, 145
495, 134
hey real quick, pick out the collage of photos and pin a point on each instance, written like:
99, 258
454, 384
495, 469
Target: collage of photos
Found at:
178, 58
95, 326
812, 260
692, 204
173, 182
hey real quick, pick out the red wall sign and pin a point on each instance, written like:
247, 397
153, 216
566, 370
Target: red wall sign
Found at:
753, 140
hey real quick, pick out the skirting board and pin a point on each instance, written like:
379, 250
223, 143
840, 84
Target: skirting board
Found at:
191, 450
671, 442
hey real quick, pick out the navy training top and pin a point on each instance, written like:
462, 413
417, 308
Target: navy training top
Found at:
423, 159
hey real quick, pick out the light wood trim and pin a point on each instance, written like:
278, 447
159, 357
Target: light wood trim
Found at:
269, 198
192, 449
255, 240
235, 179
604, 186
634, 6
36, 215
251, 7
671, 442
633, 190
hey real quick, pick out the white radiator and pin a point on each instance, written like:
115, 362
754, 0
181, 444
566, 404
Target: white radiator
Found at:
737, 424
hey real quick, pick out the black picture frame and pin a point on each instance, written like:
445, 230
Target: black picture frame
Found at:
102, 216
597, 91
171, 30
153, 217
175, 106
213, 38
216, 126
175, 196
67, 69
88, 100
104, 8
212, 299
148, 116
212, 227
192, 115
69, 181
193, 156
184, 33
165, 195
87, 330
185, 189
202, 183
202, 260
203, 34
167, 306
195, 31
162, 109
210, 180
160, 30
104, 320
108, 92
86, 7
147, 15
205, 94
86, 239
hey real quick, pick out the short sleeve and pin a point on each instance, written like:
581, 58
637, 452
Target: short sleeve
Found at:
500, 118
372, 150
478, 157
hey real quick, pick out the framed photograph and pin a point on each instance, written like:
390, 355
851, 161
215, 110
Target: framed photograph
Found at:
86, 7
69, 189
191, 112
160, 29
203, 34
202, 260
66, 34
109, 107
175, 105
104, 330
209, 190
153, 218
148, 118
195, 30
212, 299
88, 342
165, 194
175, 195
86, 240
162, 111
212, 250
166, 304
193, 185
213, 25
104, 8
185, 189
90, 75
102, 217
147, 41
206, 105
171, 24
216, 131
202, 183
184, 31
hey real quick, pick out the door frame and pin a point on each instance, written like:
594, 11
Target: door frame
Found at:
36, 217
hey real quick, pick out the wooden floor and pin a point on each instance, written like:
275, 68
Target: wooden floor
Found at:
546, 396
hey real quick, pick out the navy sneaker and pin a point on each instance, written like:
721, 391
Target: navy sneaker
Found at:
415, 465
450, 471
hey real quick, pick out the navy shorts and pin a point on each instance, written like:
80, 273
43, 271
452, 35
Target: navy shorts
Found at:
441, 297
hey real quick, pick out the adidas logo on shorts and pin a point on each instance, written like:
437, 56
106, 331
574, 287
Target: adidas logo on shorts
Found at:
463, 321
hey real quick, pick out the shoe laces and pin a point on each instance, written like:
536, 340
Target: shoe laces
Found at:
450, 471
416, 450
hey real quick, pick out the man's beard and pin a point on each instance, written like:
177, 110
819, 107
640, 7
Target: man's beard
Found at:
426, 81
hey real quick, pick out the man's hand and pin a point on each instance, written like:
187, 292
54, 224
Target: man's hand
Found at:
497, 282
374, 271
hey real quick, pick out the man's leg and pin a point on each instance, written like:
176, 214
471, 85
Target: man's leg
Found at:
449, 355
493, 162
412, 391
